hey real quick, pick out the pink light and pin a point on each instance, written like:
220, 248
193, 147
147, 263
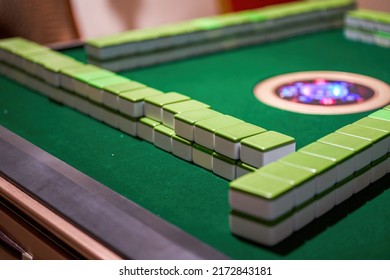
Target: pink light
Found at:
320, 81
328, 101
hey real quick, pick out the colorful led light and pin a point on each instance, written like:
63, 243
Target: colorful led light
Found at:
324, 92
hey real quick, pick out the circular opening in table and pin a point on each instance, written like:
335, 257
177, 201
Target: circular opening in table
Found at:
323, 92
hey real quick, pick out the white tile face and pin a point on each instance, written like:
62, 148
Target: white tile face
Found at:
227, 148
167, 118
127, 126
304, 216
52, 78
132, 109
325, 204
82, 105
202, 159
363, 159
362, 181
260, 233
344, 192
163, 141
204, 138
258, 158
326, 180
345, 169
111, 118
66, 82
378, 171
182, 150
304, 192
153, 112
380, 149
95, 94
69, 99
241, 171
261, 208
145, 132
81, 88
110, 100
96, 111
224, 169
183, 129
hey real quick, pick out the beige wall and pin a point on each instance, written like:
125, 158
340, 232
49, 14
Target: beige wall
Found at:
112, 16
380, 5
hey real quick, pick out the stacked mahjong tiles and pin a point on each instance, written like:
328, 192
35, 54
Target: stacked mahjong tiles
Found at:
144, 47
372, 27
172, 121
269, 204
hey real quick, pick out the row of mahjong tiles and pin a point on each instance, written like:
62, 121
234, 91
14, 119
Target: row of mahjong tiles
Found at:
140, 48
268, 14
368, 26
271, 203
121, 103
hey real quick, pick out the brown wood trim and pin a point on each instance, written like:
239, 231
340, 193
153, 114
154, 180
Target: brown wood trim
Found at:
59, 227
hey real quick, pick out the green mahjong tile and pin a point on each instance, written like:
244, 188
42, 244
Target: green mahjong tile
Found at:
202, 149
334, 153
88, 76
309, 162
224, 158
105, 41
149, 122
165, 99
253, 16
237, 132
374, 123
120, 88
262, 222
218, 122
387, 107
140, 94
61, 63
371, 15
191, 117
261, 186
382, 34
164, 130
207, 23
181, 140
11, 43
72, 71
381, 114
266, 141
230, 19
110, 79
346, 141
184, 106
292, 175
366, 133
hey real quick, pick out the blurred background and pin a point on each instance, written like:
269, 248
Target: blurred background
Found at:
54, 22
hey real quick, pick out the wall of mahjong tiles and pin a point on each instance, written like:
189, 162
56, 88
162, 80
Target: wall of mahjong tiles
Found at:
197, 200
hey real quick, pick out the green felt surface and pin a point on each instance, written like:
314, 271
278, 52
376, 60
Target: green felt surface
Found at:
193, 198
